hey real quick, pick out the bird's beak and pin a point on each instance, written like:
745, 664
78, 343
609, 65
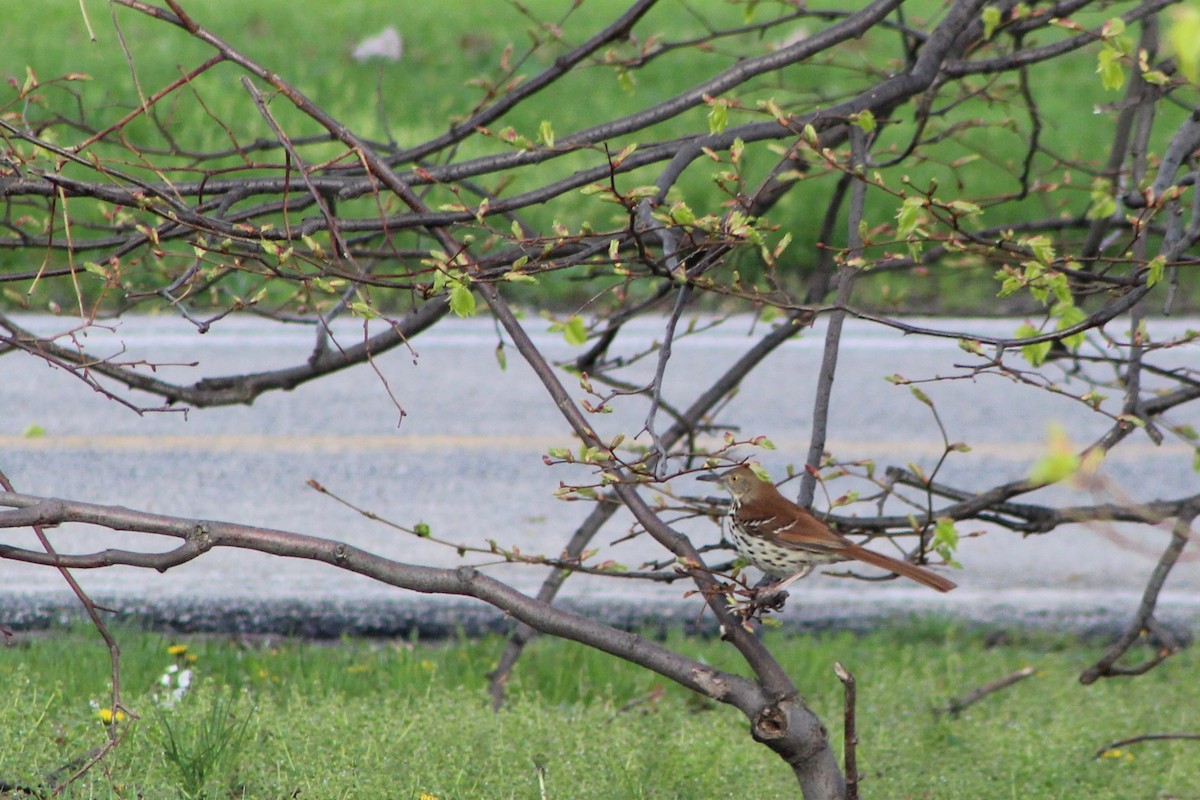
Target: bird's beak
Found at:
711, 477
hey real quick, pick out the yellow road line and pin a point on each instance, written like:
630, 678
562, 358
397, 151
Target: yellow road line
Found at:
325, 443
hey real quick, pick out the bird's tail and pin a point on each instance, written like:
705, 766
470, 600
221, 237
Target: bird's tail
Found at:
911, 571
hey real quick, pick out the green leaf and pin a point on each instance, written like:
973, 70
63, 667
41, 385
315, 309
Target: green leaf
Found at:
1103, 203
1112, 28
363, 310
991, 21
546, 133
423, 530
1059, 462
501, 358
1041, 247
1155, 269
1184, 38
33, 432
964, 208
1110, 68
909, 215
972, 346
1068, 316
864, 120
574, 331
945, 534
718, 117
758, 470
462, 301
924, 398
681, 213
1035, 354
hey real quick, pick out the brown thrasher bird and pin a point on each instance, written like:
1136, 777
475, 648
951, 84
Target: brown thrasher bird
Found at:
786, 542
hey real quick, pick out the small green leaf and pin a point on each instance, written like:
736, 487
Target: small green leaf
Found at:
574, 331
313, 245
718, 117
758, 470
462, 300
1155, 269
909, 215
964, 208
33, 432
501, 358
363, 310
991, 21
924, 398
1110, 69
1059, 462
681, 213
1069, 315
945, 534
1036, 353
546, 133
1041, 247
423, 530
1186, 431
864, 120
1184, 38
1112, 28
1103, 205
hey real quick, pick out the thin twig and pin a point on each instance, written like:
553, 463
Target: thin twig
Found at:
1146, 737
958, 704
833, 334
1144, 618
850, 728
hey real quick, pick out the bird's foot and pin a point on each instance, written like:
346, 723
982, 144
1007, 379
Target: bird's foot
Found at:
768, 595
762, 599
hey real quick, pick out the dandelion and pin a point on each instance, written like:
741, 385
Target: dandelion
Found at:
177, 650
106, 715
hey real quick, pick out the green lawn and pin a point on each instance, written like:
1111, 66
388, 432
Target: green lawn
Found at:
392, 719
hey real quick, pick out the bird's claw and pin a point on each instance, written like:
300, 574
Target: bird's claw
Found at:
762, 599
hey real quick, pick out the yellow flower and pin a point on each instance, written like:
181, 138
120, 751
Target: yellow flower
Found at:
177, 649
106, 715
427, 796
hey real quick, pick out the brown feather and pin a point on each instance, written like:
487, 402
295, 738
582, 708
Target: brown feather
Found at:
918, 574
761, 511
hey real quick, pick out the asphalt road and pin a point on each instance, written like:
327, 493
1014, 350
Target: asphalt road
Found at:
467, 460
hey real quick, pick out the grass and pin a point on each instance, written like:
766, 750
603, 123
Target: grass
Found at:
394, 719
447, 49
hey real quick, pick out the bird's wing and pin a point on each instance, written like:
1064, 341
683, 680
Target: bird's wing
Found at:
799, 532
